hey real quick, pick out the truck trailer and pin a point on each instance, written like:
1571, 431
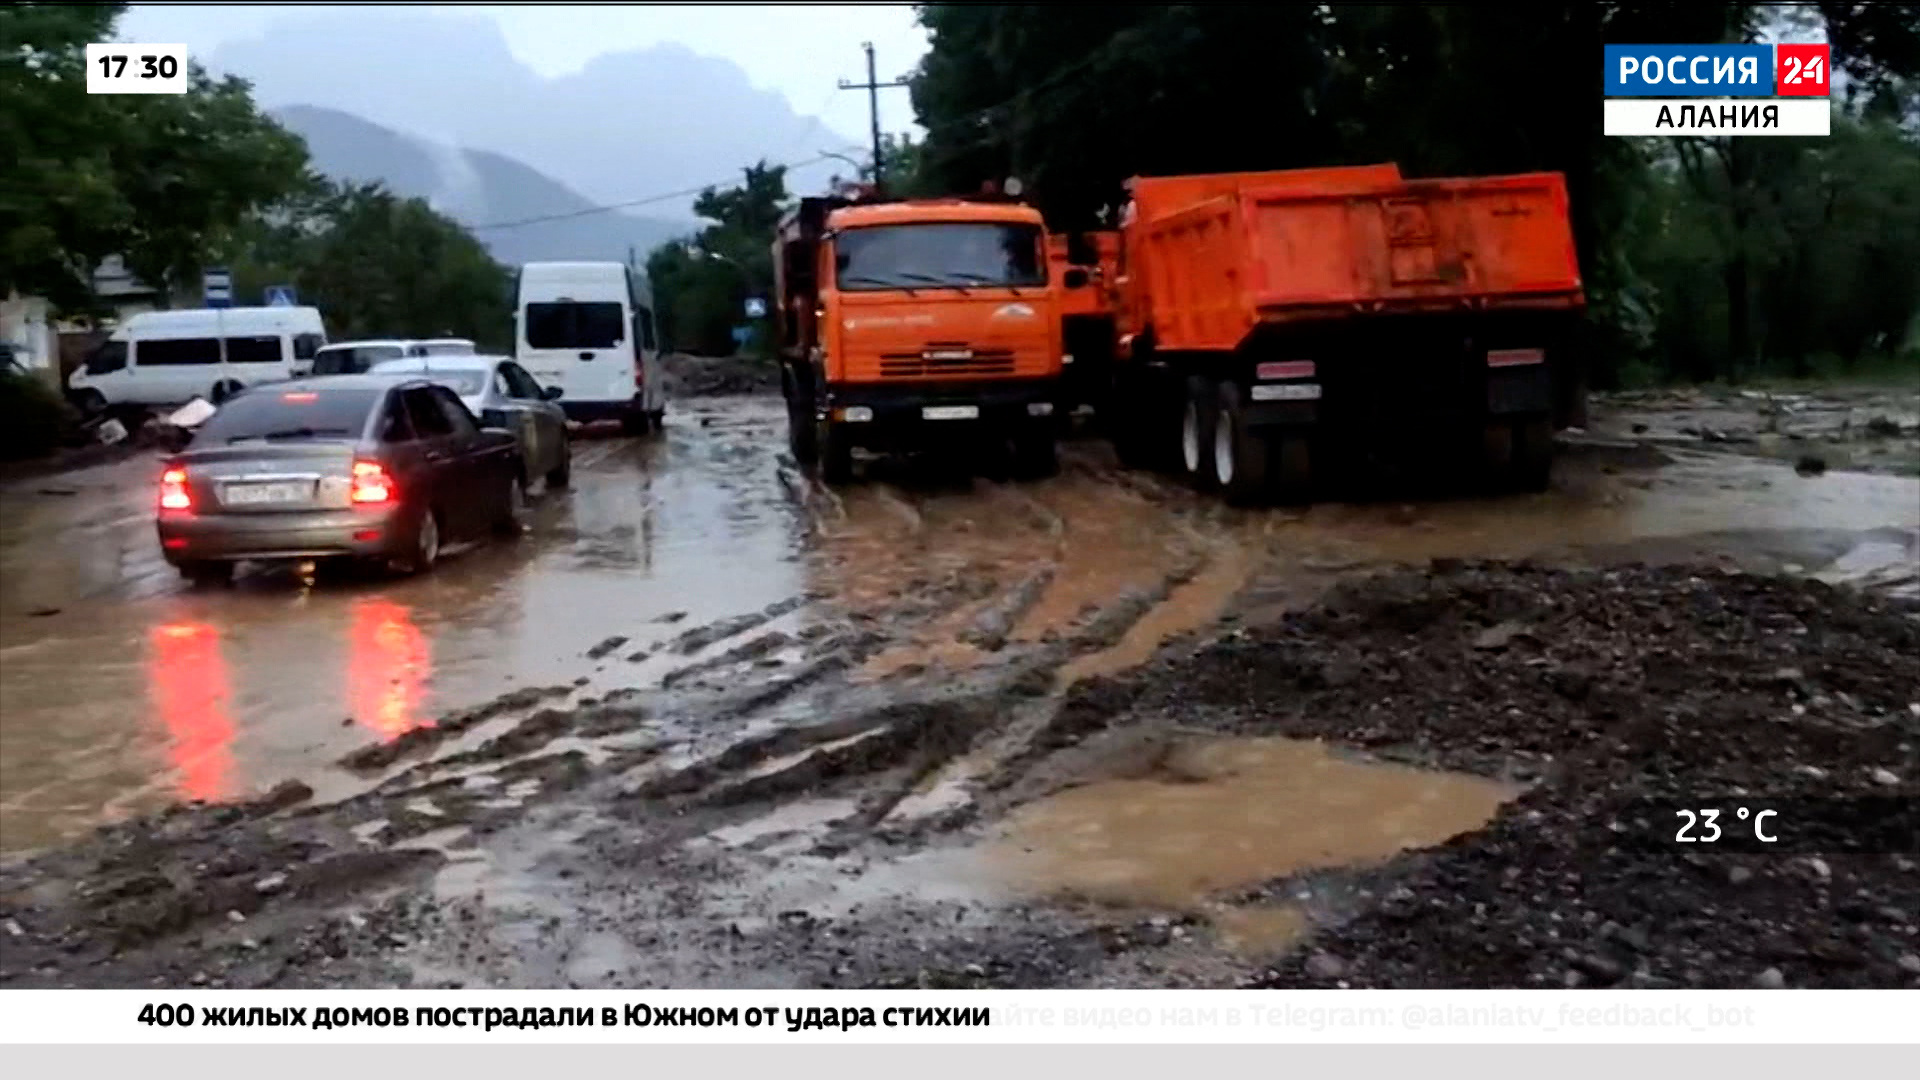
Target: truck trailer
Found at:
917, 325
1271, 322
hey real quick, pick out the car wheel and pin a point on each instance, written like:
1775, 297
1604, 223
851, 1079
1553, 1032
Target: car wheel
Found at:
426, 546
513, 513
88, 403
658, 418
207, 573
562, 474
223, 390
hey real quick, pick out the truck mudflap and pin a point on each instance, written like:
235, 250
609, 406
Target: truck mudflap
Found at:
879, 415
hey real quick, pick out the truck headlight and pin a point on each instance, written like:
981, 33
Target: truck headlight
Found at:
1040, 408
1066, 358
855, 414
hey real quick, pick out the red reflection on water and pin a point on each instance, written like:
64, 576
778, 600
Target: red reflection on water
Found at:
188, 680
388, 667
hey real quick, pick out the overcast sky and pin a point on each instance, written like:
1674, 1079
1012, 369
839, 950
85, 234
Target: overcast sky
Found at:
801, 51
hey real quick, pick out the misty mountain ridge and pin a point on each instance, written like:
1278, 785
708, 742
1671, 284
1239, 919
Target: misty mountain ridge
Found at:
629, 125
476, 187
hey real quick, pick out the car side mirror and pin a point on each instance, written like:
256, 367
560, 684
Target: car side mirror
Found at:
551, 393
1075, 278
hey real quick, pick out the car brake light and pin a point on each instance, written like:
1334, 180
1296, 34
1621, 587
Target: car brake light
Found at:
371, 483
173, 490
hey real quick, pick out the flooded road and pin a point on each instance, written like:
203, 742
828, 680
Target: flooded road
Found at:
121, 689
710, 724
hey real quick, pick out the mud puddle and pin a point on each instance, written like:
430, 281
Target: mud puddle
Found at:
1213, 817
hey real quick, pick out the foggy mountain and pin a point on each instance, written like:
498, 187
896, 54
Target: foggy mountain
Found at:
630, 125
475, 187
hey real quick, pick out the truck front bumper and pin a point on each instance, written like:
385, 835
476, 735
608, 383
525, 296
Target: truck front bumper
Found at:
879, 415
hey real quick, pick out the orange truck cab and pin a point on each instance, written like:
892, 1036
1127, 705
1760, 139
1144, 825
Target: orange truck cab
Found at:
1086, 264
1272, 322
916, 325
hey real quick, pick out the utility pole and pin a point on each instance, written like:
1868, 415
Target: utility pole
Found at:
873, 86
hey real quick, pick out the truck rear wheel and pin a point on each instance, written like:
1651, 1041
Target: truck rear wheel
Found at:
1197, 417
1290, 466
835, 453
1240, 454
1532, 443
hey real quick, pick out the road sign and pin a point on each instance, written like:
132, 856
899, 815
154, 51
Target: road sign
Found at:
281, 296
742, 335
756, 307
217, 287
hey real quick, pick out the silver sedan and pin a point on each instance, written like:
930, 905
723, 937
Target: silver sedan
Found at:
502, 395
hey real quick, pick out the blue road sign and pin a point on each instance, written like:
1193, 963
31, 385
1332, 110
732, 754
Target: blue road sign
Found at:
756, 307
742, 334
216, 286
281, 296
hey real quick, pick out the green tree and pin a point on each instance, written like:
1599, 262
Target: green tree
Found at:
701, 284
376, 265
158, 179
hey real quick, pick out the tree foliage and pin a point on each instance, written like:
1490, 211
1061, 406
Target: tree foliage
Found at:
1074, 100
376, 265
158, 179
701, 284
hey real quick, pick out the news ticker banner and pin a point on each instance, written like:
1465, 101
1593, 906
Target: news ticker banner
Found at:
982, 1017
1778, 89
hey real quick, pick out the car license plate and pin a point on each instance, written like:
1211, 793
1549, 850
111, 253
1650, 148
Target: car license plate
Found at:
282, 491
951, 412
1287, 392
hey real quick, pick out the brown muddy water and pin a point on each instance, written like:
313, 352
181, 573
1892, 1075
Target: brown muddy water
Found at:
1208, 817
121, 689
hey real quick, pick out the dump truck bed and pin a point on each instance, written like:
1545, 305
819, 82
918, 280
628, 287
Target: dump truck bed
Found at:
1222, 256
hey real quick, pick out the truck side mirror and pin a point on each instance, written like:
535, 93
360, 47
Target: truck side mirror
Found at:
1074, 278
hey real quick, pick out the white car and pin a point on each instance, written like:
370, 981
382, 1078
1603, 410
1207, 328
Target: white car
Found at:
500, 394
354, 357
170, 357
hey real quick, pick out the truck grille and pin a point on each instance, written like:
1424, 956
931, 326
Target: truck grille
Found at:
944, 358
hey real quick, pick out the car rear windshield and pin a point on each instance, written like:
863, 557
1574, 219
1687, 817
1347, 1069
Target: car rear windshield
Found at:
289, 415
460, 382
351, 360
576, 325
939, 255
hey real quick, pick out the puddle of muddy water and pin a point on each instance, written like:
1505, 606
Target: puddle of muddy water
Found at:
1222, 815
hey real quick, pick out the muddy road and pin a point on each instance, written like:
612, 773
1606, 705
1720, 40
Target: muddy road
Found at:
710, 724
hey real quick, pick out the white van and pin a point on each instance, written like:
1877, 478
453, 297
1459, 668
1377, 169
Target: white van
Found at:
169, 357
587, 328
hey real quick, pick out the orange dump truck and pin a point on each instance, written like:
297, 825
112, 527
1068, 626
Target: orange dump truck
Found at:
1271, 322
1086, 265
917, 325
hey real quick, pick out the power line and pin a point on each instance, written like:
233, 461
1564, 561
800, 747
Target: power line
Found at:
1099, 53
629, 204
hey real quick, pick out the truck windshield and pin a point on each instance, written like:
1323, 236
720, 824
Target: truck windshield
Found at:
939, 255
